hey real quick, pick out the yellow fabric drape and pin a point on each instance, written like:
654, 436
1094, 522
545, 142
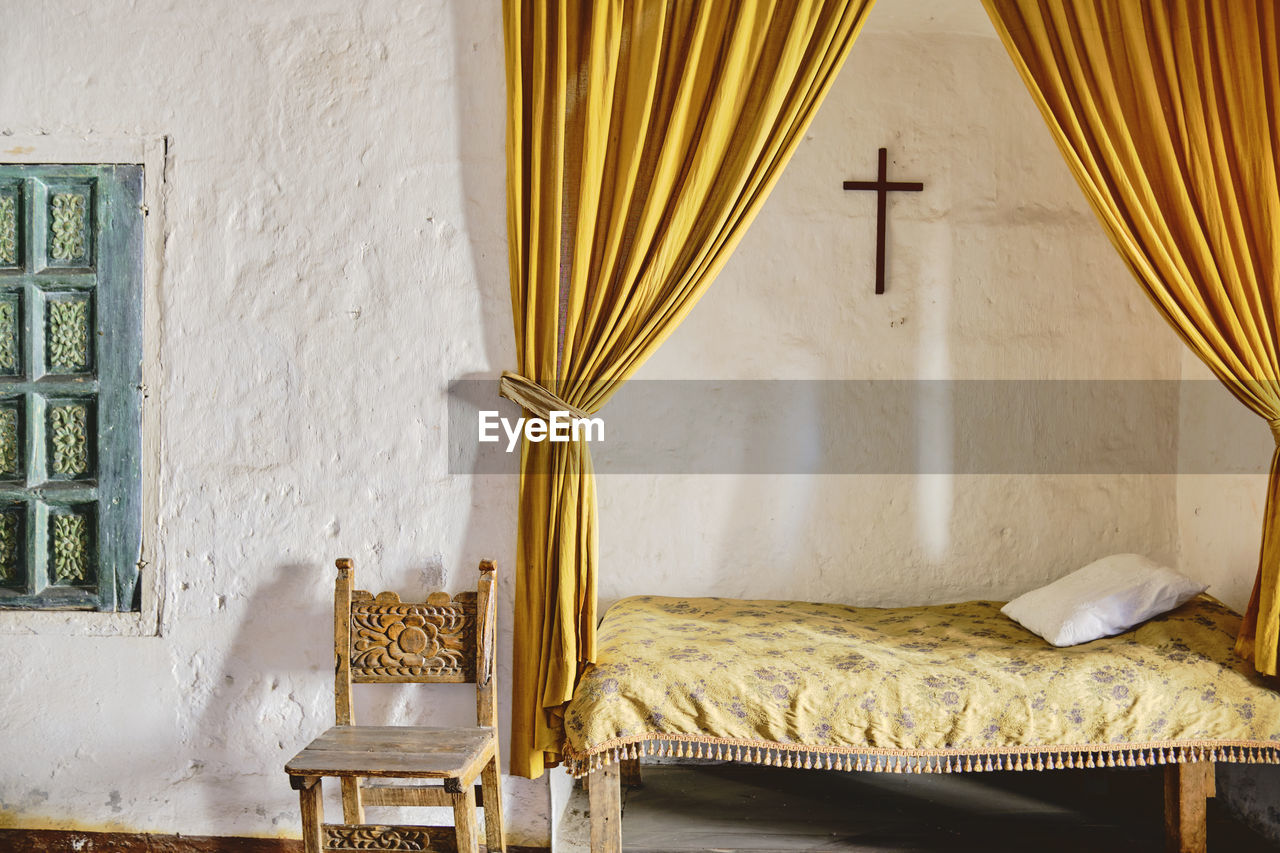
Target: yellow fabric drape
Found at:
1169, 115
642, 138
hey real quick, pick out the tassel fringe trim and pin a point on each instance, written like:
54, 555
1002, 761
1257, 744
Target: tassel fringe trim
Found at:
872, 760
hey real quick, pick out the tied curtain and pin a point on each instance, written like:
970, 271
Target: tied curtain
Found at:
642, 138
1168, 113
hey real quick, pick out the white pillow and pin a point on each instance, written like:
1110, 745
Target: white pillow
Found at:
1106, 597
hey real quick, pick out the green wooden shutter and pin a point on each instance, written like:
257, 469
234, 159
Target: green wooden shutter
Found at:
70, 386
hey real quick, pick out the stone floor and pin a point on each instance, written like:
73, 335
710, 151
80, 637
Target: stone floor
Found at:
735, 807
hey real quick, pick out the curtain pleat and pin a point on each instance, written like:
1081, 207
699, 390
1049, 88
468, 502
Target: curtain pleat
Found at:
642, 138
1168, 114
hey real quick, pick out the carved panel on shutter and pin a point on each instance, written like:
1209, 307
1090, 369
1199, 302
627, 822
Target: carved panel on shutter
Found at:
70, 240
70, 385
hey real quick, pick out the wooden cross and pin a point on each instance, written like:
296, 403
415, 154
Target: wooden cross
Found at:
883, 187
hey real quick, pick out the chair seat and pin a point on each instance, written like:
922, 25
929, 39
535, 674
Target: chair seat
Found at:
410, 752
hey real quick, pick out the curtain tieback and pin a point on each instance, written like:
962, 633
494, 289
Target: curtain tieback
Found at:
533, 397
1275, 430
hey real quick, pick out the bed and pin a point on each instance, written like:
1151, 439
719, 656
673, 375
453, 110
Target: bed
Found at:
940, 689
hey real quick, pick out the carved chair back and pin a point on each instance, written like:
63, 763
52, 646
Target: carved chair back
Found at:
381, 639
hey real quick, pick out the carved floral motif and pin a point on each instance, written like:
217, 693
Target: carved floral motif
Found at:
8, 336
8, 442
8, 547
69, 335
70, 548
70, 439
376, 838
394, 639
8, 230
68, 212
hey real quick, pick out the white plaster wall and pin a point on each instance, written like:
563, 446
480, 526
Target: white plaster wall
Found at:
1224, 452
335, 255
997, 270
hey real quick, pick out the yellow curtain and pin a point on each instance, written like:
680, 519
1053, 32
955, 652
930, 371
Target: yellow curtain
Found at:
643, 136
1168, 113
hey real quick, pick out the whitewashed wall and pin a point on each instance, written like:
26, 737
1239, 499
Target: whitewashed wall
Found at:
335, 254
997, 270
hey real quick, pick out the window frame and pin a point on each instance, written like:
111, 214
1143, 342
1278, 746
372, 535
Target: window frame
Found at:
151, 154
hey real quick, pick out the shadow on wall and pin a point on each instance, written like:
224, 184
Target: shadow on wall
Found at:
284, 645
490, 528
1252, 794
797, 514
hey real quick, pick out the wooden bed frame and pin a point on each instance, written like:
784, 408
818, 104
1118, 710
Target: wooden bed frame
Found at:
1187, 788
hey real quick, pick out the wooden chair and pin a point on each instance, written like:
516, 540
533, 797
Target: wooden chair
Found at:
379, 639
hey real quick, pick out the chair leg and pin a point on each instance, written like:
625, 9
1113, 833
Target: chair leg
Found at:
312, 817
495, 836
352, 801
464, 819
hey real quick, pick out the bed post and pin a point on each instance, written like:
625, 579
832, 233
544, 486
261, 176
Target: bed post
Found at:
605, 791
629, 771
1187, 788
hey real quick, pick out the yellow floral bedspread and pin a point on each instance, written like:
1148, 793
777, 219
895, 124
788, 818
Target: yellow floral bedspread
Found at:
823, 680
